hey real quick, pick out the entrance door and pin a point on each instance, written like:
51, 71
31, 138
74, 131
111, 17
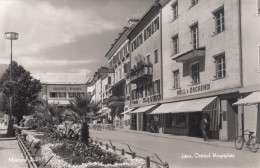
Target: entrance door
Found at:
232, 119
194, 122
144, 121
133, 121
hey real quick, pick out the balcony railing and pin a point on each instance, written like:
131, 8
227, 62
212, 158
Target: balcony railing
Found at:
141, 74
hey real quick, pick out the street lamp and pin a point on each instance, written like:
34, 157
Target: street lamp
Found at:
11, 36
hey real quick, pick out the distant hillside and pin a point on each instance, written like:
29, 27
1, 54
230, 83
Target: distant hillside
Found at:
3, 67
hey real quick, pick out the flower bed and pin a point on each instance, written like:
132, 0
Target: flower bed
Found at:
68, 153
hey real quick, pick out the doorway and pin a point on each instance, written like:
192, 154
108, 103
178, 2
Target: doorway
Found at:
194, 124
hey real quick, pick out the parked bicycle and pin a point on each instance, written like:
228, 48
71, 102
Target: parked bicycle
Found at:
252, 142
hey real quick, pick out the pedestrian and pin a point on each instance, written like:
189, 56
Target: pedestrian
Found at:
203, 126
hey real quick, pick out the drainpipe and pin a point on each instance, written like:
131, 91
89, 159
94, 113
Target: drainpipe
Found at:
240, 57
161, 46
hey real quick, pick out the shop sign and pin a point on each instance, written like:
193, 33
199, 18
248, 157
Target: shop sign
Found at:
64, 88
193, 89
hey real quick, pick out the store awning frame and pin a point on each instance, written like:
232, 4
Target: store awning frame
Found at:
252, 99
127, 111
188, 106
143, 109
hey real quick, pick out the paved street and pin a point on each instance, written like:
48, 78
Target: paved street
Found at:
10, 153
181, 151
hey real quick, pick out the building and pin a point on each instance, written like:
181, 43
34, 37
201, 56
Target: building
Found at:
146, 68
249, 109
60, 88
118, 82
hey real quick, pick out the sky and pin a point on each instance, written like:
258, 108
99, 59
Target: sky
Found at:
64, 36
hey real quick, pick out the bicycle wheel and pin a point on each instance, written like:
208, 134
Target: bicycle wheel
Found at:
239, 142
253, 144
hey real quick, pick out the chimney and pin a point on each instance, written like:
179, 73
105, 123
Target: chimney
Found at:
132, 22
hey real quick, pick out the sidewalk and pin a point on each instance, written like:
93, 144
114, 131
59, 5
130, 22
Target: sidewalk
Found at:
214, 142
10, 153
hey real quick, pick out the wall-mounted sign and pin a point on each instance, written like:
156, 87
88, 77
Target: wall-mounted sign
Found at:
70, 89
193, 89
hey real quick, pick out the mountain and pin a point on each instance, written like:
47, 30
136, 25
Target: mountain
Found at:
3, 67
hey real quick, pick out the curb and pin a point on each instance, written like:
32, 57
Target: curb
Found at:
179, 138
7, 139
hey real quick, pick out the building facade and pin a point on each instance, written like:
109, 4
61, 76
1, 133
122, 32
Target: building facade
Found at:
59, 89
146, 68
185, 59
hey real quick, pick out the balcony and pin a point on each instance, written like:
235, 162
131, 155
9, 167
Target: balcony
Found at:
115, 101
141, 74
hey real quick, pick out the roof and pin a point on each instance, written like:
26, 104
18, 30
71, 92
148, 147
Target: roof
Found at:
61, 78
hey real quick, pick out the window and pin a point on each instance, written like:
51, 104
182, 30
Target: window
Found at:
153, 27
175, 120
156, 23
141, 92
156, 87
195, 73
175, 10
220, 23
53, 95
176, 77
194, 2
258, 6
72, 94
109, 80
57, 94
120, 73
175, 41
195, 36
220, 67
155, 56
139, 40
148, 59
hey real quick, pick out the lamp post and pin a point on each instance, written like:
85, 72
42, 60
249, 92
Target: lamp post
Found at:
10, 36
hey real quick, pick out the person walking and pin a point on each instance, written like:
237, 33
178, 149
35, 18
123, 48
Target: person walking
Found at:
203, 126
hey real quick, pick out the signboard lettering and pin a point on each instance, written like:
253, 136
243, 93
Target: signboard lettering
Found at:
193, 89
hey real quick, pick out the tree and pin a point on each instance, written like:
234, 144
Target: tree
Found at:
81, 106
22, 88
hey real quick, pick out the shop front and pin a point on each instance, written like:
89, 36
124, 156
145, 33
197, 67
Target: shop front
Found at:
142, 121
184, 117
250, 112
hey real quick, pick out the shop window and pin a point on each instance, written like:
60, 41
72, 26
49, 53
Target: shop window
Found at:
176, 78
195, 36
220, 21
175, 120
220, 66
175, 10
155, 56
195, 73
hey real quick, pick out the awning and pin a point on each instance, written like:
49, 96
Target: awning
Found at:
104, 110
127, 111
59, 102
190, 54
143, 109
253, 98
184, 106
